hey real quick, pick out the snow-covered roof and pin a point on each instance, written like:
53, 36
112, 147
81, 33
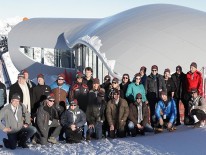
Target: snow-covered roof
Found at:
161, 34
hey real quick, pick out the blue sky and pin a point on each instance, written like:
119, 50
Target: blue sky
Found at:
81, 8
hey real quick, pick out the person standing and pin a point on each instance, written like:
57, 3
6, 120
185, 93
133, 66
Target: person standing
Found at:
124, 85
88, 79
153, 86
16, 123
143, 74
193, 80
3, 95
169, 83
179, 79
106, 84
30, 83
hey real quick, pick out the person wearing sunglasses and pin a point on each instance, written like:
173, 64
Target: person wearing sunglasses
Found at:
139, 117
73, 121
47, 118
117, 112
153, 86
124, 85
134, 88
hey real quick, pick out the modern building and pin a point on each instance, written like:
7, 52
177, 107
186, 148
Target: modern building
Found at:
161, 34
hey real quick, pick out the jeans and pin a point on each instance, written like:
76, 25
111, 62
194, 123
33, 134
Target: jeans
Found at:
147, 127
97, 130
21, 136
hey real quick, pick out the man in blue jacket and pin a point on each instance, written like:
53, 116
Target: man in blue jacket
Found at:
165, 113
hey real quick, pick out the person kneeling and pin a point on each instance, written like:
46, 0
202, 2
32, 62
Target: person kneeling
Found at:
197, 109
16, 124
165, 113
47, 119
73, 120
139, 117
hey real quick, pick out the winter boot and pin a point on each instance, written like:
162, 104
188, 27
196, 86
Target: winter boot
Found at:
52, 140
6, 142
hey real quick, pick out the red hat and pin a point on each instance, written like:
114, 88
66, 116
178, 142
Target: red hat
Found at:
50, 96
154, 67
138, 96
79, 75
167, 70
40, 76
61, 75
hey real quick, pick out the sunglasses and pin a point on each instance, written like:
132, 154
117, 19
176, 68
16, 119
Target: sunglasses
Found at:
139, 98
154, 70
106, 79
60, 79
51, 100
125, 77
73, 105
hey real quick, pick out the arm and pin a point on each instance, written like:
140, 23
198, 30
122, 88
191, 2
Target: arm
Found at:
129, 94
202, 104
144, 99
174, 112
125, 111
82, 118
157, 110
131, 114
2, 115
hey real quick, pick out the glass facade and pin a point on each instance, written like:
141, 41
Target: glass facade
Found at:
79, 57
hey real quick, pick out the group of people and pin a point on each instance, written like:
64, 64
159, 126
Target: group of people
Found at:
90, 110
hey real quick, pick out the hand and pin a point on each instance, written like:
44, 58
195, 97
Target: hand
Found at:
26, 125
161, 113
73, 127
146, 102
111, 127
91, 126
169, 125
161, 121
7, 130
139, 126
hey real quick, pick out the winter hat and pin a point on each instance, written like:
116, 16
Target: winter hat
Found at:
61, 75
21, 75
16, 96
107, 77
193, 64
179, 68
79, 75
96, 81
138, 96
51, 97
154, 67
163, 93
115, 80
194, 90
74, 102
101, 92
167, 70
24, 71
143, 68
116, 91
40, 76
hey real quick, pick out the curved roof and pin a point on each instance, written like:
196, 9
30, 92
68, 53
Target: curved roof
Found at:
161, 34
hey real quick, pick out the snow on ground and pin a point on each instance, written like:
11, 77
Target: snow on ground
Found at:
184, 141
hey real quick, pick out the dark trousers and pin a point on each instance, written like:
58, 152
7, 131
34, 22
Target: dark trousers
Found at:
73, 136
21, 136
189, 120
177, 100
97, 130
53, 130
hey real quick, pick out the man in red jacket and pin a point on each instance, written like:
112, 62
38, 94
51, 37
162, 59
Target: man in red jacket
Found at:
193, 80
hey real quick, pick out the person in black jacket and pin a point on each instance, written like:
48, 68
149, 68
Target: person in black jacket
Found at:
124, 85
153, 86
73, 120
106, 84
179, 79
169, 83
47, 118
96, 115
40, 93
3, 96
88, 79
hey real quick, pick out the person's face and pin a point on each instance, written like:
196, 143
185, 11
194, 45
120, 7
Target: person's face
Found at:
21, 80
138, 79
178, 72
114, 84
96, 86
50, 102
88, 73
15, 102
107, 80
60, 80
26, 75
40, 81
154, 71
164, 97
116, 96
192, 69
125, 79
73, 106
167, 75
141, 72
139, 100
79, 79
194, 95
